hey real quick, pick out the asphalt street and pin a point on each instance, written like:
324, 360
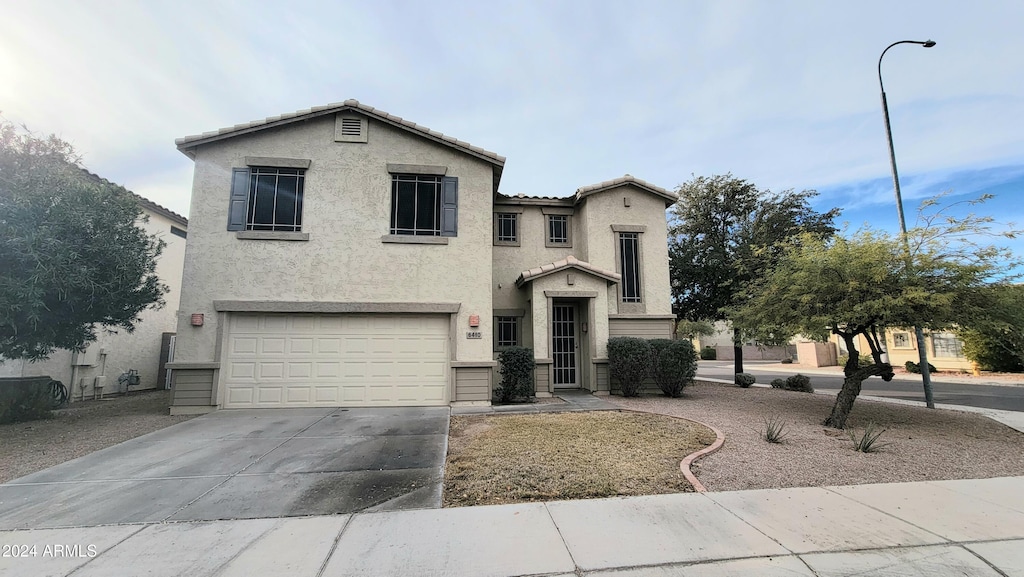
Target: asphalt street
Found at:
1006, 397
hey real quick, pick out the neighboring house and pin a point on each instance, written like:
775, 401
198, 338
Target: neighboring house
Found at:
725, 350
96, 370
945, 351
342, 256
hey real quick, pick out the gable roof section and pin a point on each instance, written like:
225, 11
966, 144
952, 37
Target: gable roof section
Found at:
188, 143
569, 262
669, 196
521, 199
143, 202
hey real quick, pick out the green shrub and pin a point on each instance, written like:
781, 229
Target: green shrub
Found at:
708, 354
25, 399
863, 360
799, 383
778, 383
517, 366
674, 365
787, 361
745, 379
629, 362
915, 368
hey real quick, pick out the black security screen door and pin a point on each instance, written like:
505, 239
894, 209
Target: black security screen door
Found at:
563, 345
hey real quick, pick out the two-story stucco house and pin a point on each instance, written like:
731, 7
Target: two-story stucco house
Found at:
343, 256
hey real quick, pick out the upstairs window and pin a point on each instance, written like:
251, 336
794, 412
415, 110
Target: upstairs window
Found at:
267, 199
423, 205
558, 229
507, 227
629, 258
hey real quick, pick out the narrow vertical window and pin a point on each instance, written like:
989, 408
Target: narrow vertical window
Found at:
507, 229
558, 229
629, 256
508, 331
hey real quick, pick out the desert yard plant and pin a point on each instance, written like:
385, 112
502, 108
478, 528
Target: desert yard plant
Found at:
915, 368
867, 442
517, 366
778, 383
25, 399
774, 430
629, 362
745, 379
799, 383
674, 365
787, 361
708, 354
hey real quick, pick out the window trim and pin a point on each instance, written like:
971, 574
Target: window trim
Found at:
252, 183
639, 306
548, 242
517, 315
517, 229
906, 347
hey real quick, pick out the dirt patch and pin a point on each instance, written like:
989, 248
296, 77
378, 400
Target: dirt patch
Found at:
924, 444
495, 459
83, 428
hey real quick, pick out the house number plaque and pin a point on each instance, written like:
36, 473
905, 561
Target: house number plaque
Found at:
473, 335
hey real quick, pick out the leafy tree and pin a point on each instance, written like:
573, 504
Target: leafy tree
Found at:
71, 256
724, 233
855, 286
995, 339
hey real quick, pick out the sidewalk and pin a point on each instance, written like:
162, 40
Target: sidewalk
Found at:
941, 528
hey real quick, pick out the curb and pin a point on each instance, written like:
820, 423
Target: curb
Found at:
684, 465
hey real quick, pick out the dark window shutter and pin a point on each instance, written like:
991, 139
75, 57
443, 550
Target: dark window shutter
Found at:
239, 198
449, 206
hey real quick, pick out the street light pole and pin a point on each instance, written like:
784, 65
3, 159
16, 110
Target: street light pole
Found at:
926, 377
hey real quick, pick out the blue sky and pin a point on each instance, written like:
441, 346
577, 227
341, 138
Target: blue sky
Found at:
781, 93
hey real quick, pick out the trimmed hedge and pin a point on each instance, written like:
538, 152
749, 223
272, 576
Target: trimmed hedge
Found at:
915, 368
25, 399
674, 365
516, 369
799, 383
778, 383
708, 354
629, 362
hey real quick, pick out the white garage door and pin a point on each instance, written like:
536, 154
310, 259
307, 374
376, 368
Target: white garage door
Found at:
320, 360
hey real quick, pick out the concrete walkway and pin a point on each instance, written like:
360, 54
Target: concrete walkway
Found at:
572, 401
942, 528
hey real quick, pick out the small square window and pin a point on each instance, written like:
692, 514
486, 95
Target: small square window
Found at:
901, 341
507, 331
508, 229
275, 199
558, 229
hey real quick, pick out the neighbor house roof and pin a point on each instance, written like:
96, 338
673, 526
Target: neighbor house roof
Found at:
569, 262
187, 143
581, 193
143, 202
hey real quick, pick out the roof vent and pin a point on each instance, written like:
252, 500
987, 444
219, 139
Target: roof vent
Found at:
350, 128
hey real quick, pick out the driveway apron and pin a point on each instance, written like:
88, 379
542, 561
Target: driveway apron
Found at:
241, 464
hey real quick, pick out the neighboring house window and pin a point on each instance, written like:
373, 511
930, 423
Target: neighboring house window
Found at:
424, 205
508, 227
558, 229
947, 345
508, 331
179, 232
901, 341
271, 197
629, 258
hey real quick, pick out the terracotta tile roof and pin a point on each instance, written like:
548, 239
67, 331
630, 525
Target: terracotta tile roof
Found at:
145, 202
305, 114
567, 262
669, 196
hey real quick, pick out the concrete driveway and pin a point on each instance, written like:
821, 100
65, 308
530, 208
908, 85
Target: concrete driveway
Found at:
244, 464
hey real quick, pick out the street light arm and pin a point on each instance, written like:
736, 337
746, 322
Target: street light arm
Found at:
924, 43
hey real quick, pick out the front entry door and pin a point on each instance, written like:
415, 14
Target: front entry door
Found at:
564, 347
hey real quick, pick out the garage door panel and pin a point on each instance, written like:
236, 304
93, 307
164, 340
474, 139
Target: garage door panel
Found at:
332, 360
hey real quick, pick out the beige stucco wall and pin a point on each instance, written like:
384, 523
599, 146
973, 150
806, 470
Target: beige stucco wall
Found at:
899, 356
511, 261
122, 351
346, 204
607, 208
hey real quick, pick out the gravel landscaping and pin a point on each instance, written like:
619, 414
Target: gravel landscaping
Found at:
924, 444
494, 459
80, 429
